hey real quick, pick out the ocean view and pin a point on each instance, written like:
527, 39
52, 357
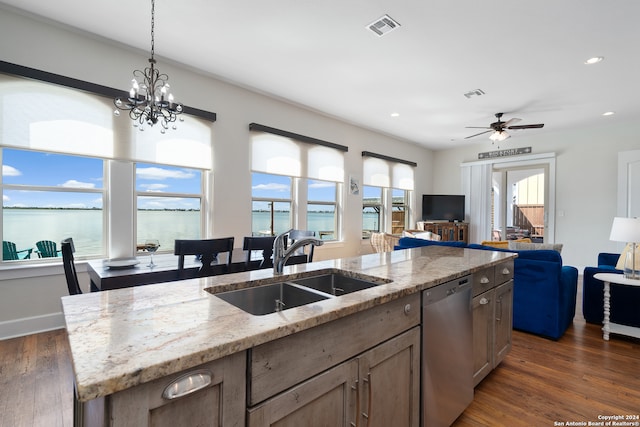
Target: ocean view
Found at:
25, 227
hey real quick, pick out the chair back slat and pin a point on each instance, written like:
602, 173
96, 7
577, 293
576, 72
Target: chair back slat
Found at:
264, 244
207, 250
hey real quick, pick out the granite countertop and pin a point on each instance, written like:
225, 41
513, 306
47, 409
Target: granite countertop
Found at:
125, 337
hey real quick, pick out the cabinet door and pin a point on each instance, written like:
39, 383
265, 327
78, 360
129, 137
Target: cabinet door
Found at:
220, 403
328, 399
483, 315
503, 321
390, 382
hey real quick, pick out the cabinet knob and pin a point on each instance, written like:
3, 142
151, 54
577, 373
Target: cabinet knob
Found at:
407, 309
484, 301
484, 280
506, 271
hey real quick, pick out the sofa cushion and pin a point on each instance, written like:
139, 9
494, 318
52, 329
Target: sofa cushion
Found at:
535, 246
410, 242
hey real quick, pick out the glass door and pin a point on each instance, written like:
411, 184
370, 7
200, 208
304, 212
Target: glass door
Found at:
518, 203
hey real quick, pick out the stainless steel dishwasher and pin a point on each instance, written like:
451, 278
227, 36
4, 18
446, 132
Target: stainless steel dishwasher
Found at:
447, 352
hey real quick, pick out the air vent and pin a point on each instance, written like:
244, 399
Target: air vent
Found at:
475, 92
383, 25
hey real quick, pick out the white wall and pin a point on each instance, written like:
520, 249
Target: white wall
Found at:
30, 297
586, 182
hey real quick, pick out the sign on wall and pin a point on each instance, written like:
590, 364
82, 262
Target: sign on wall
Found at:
504, 153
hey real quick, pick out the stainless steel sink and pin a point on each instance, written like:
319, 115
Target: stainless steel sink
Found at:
295, 292
337, 284
267, 299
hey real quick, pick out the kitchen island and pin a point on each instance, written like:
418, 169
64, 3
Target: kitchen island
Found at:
127, 339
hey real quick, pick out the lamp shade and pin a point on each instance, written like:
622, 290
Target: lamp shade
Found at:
625, 230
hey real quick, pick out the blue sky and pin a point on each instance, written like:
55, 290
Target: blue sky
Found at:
60, 172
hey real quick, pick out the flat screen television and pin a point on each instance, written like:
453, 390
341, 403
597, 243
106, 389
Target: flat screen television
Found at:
442, 207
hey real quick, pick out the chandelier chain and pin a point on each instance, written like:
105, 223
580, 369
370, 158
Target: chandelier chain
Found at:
153, 22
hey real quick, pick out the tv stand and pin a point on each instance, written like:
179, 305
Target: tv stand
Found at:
448, 231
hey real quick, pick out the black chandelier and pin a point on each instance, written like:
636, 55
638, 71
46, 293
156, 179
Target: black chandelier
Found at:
150, 100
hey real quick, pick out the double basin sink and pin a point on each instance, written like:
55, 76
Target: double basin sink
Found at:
295, 292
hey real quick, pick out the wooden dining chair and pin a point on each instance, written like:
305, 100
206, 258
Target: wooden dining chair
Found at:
264, 244
47, 249
10, 253
207, 250
298, 234
67, 248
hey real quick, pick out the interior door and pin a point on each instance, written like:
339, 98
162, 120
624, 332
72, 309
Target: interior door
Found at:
519, 203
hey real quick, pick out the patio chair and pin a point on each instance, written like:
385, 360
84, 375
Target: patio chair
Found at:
10, 253
47, 249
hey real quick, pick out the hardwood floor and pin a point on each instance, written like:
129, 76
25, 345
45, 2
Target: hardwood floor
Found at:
574, 379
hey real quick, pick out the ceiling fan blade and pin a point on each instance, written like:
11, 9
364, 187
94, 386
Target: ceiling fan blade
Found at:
477, 127
511, 121
536, 126
481, 133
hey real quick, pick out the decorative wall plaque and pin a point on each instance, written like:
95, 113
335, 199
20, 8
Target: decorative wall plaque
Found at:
504, 153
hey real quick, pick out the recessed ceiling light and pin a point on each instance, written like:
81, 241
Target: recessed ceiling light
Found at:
608, 113
594, 60
395, 114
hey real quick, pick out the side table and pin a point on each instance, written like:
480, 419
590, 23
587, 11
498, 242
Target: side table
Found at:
609, 327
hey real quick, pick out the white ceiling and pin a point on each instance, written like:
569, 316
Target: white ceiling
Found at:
527, 56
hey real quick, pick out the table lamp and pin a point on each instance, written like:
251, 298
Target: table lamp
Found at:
627, 230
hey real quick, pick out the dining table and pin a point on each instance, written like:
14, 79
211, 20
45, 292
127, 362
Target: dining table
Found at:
107, 274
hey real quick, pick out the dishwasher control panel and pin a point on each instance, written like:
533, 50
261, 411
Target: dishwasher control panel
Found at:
444, 290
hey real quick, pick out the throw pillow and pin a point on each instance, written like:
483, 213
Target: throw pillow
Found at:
521, 246
623, 256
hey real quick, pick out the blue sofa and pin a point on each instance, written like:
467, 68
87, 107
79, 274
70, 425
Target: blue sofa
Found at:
625, 300
544, 291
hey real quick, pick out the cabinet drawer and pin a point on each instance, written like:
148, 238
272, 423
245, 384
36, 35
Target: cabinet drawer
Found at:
277, 365
483, 280
504, 272
173, 401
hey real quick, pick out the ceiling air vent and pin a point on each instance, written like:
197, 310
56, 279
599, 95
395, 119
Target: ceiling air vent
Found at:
383, 25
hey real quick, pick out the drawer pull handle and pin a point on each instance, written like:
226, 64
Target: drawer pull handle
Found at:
484, 280
506, 271
484, 301
187, 384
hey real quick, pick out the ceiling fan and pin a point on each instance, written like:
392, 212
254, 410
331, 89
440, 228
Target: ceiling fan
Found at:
499, 128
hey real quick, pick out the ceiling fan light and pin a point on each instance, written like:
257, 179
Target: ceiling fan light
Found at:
498, 136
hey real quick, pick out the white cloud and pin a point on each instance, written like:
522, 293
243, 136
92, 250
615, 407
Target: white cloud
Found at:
10, 171
5, 198
321, 184
160, 174
271, 187
154, 187
72, 183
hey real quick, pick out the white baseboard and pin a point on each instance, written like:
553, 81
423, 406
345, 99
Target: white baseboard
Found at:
31, 325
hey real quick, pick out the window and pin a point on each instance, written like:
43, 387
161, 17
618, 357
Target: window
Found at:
372, 210
59, 146
321, 208
271, 204
48, 196
388, 185
297, 183
169, 203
